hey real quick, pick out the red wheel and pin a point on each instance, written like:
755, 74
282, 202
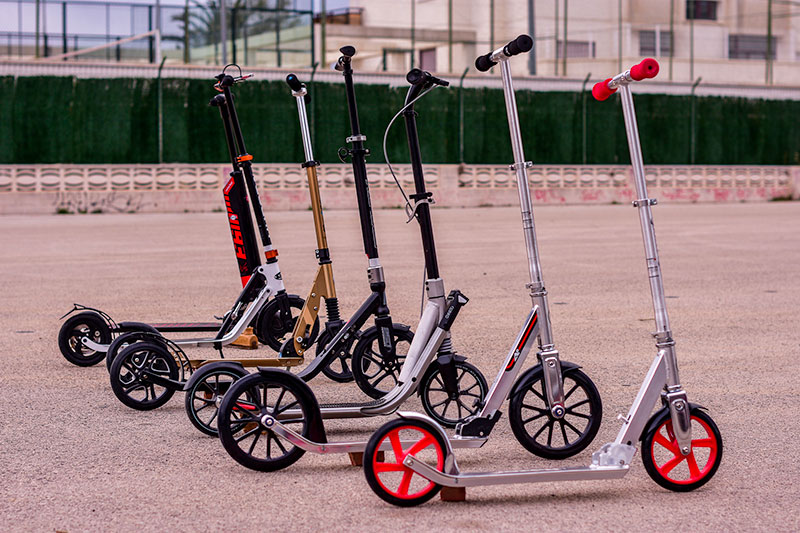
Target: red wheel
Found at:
668, 466
388, 477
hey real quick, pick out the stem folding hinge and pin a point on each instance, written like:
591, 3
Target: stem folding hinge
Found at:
515, 166
644, 201
355, 138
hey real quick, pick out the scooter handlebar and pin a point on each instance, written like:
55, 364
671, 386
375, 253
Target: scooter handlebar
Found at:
520, 45
294, 83
347, 55
416, 76
648, 68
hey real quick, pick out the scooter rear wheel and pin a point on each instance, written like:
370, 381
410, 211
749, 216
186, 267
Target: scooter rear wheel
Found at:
129, 375
388, 477
543, 434
205, 396
671, 469
246, 439
448, 411
86, 324
122, 342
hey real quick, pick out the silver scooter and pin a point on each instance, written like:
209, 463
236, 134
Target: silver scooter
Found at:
681, 445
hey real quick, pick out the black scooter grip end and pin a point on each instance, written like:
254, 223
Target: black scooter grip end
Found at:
348, 51
415, 76
217, 101
294, 82
484, 63
520, 45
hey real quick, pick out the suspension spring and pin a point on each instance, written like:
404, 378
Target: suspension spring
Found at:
332, 305
446, 348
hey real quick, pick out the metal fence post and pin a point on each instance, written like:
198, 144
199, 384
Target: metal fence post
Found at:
583, 116
692, 134
160, 104
461, 116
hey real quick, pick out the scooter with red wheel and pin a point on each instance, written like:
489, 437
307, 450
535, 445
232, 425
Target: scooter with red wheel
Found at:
681, 445
270, 418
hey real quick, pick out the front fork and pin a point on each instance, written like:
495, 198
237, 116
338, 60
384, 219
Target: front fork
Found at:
548, 356
675, 396
383, 320
323, 288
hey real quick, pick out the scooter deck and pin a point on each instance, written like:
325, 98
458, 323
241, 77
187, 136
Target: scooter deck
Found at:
186, 326
251, 363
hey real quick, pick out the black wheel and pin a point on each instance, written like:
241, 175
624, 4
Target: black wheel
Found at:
241, 431
204, 397
339, 368
450, 409
386, 474
122, 341
374, 375
131, 371
671, 469
273, 331
543, 434
86, 324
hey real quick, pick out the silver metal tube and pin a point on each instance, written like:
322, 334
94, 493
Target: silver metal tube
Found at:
645, 212
538, 294
304, 131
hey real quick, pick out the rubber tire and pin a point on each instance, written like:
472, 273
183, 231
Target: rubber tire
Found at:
427, 380
283, 379
647, 446
117, 344
371, 451
91, 319
263, 329
127, 353
189, 396
524, 438
400, 332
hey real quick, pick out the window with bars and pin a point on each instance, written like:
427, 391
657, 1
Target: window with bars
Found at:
701, 9
648, 44
577, 49
750, 47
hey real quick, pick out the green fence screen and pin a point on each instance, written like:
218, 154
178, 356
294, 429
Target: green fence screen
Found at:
72, 120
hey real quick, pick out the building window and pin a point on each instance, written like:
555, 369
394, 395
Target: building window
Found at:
701, 10
427, 59
577, 49
749, 47
648, 44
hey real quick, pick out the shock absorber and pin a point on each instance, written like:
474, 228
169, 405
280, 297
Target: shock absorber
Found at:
332, 305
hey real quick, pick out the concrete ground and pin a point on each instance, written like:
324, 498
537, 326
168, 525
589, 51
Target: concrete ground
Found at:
75, 459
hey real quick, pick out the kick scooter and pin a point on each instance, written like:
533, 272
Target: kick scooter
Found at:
281, 408
681, 445
91, 335
147, 372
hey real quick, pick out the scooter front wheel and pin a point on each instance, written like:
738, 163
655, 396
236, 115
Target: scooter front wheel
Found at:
450, 409
123, 341
668, 466
241, 420
86, 324
545, 435
205, 396
373, 374
388, 477
272, 330
131, 375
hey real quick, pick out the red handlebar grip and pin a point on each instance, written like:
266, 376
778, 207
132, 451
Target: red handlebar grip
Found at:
601, 92
648, 68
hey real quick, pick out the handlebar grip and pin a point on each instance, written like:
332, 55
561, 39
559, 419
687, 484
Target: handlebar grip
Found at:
294, 82
484, 63
601, 92
520, 45
648, 68
415, 76
348, 51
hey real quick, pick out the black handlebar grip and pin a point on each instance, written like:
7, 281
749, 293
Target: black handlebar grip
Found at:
348, 51
520, 45
293, 82
484, 63
416, 76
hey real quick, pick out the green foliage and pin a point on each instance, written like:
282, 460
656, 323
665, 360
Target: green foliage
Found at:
72, 120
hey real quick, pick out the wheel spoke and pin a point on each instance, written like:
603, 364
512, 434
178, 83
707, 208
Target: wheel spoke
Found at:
566, 422
206, 404
388, 467
532, 408
694, 471
567, 395
278, 401
253, 444
703, 443
397, 446
405, 483
667, 467
286, 408
541, 429
420, 445
536, 392
550, 433
574, 405
531, 419
243, 436
669, 445
278, 442
214, 416
564, 433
